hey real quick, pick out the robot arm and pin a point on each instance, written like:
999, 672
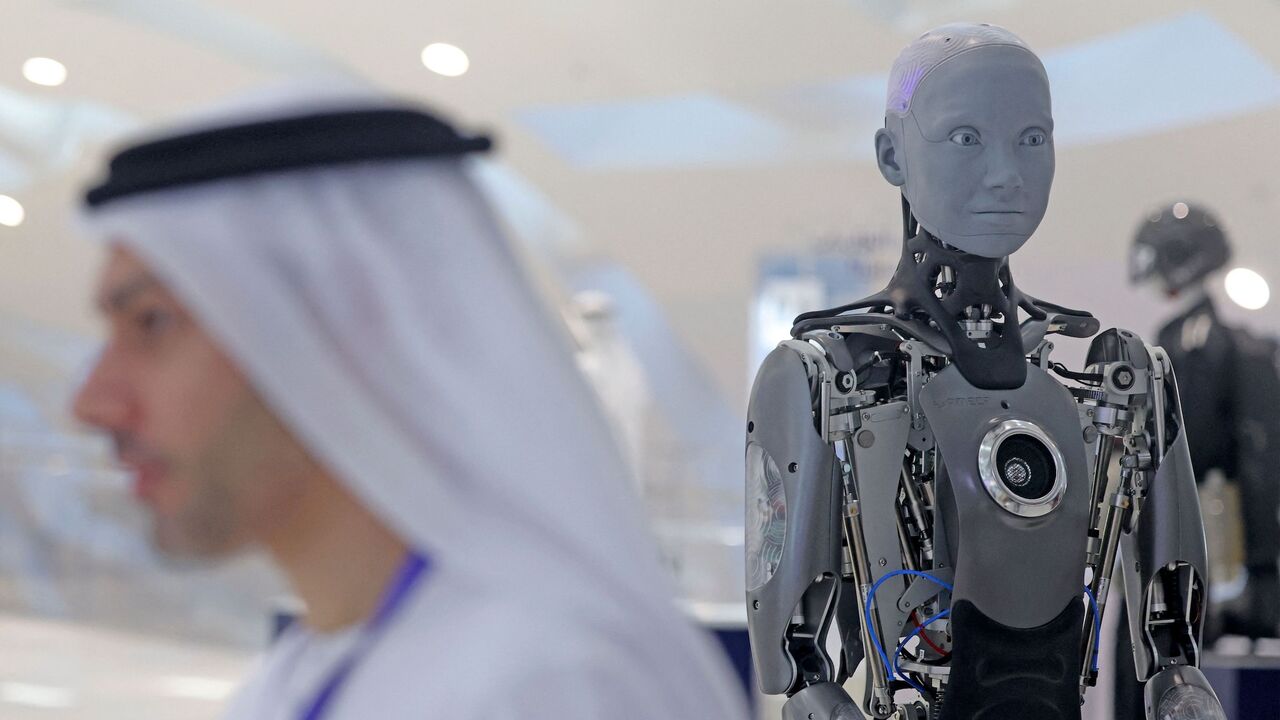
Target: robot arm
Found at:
1155, 519
819, 450
793, 527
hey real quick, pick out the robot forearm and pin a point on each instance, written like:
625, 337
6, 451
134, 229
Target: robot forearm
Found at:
1154, 516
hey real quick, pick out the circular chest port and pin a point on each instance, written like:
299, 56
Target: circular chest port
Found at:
1022, 468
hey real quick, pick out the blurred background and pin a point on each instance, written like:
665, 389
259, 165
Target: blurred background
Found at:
681, 177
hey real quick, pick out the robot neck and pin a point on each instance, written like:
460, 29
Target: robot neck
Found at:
950, 285
971, 299
968, 288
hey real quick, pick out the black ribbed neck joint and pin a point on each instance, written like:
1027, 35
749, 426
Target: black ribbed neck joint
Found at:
999, 362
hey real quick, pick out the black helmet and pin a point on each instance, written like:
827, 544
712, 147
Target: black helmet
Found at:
1180, 244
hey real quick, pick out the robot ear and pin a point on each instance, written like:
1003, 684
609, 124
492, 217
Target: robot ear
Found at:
889, 158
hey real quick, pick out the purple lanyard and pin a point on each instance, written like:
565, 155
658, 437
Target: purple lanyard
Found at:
411, 570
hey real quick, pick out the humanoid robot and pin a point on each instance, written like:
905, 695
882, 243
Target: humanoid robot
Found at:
926, 502
1233, 424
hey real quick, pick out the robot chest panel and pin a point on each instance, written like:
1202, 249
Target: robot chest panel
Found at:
1013, 491
1029, 439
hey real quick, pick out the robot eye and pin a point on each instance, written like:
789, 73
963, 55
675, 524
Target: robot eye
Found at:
1034, 138
966, 137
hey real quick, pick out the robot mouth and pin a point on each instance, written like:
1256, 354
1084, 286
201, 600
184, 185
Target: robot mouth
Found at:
997, 212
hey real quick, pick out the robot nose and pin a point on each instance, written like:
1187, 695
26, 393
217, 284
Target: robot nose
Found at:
1005, 181
1002, 173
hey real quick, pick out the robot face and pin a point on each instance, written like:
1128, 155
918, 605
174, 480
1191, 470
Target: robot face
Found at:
976, 149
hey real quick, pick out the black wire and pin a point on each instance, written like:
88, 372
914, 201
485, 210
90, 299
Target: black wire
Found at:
909, 224
909, 229
877, 357
933, 696
832, 313
1086, 378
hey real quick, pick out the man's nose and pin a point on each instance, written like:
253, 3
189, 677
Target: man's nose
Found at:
101, 401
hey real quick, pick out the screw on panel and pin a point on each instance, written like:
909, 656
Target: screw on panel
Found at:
882, 562
1123, 378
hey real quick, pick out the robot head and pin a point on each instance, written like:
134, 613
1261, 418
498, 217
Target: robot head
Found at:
1178, 244
968, 137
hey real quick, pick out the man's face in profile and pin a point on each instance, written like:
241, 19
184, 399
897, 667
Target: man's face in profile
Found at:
211, 462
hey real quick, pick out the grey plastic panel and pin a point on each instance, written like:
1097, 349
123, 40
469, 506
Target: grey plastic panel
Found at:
824, 701
878, 469
1019, 571
1170, 530
780, 421
1184, 680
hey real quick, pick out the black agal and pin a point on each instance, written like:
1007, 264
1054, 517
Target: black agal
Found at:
290, 143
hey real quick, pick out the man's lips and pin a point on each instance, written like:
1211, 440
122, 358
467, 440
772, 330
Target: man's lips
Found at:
148, 477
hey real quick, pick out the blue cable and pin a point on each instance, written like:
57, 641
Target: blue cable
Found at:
894, 670
903, 645
1097, 625
871, 601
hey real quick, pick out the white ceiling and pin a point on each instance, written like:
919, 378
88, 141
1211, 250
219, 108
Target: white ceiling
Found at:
691, 231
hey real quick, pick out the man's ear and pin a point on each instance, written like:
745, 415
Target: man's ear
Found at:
889, 158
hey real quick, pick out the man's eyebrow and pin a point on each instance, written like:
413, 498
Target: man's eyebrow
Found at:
117, 298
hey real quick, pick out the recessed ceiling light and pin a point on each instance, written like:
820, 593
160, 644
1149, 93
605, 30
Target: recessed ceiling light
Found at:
11, 212
1247, 289
44, 71
445, 59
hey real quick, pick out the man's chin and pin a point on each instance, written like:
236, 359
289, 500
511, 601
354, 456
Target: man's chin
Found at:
178, 546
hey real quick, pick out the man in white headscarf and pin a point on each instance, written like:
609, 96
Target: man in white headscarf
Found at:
321, 344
